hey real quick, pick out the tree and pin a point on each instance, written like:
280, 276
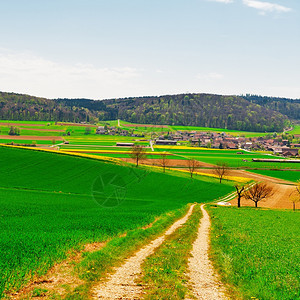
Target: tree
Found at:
295, 196
240, 193
14, 131
87, 130
192, 165
138, 153
258, 192
221, 170
164, 160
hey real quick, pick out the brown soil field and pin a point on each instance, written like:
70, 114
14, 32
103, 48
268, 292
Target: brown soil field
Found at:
31, 137
145, 125
75, 124
20, 124
157, 162
282, 189
43, 129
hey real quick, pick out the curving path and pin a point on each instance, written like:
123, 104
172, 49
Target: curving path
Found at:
204, 281
122, 284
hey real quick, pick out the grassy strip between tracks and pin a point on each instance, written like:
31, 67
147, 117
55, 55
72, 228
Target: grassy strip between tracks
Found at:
165, 271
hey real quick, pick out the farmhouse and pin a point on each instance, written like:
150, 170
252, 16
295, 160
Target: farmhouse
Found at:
125, 144
289, 152
165, 142
100, 130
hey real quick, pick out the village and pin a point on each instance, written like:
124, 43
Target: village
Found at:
281, 144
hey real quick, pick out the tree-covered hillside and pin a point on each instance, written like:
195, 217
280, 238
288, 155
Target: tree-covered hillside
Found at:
286, 106
249, 113
207, 110
28, 108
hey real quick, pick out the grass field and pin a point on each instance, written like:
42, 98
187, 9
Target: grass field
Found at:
296, 130
244, 160
51, 203
208, 129
257, 251
286, 175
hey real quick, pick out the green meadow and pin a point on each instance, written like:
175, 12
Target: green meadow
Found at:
51, 203
231, 157
257, 252
296, 130
281, 174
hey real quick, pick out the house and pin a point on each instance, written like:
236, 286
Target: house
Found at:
101, 130
165, 142
289, 152
125, 144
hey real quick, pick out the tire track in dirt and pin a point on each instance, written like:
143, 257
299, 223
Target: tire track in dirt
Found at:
203, 279
121, 284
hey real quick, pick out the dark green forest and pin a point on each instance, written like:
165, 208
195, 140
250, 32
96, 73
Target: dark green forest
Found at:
288, 107
248, 112
206, 110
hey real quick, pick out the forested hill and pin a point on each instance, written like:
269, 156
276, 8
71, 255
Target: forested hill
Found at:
28, 108
207, 110
232, 112
286, 106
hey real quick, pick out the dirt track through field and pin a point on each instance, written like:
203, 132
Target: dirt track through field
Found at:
121, 284
204, 281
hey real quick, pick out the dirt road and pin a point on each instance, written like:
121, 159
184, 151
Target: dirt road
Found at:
205, 283
121, 284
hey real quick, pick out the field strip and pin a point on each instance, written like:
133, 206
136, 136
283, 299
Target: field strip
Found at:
121, 285
204, 281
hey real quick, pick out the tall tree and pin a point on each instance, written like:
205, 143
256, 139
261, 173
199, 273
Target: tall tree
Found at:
192, 166
221, 170
138, 153
239, 190
258, 192
164, 160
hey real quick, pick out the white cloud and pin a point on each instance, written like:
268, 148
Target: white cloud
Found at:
27, 73
265, 7
211, 75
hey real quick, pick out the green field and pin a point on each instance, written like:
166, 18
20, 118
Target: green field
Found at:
286, 175
234, 160
51, 203
257, 251
296, 130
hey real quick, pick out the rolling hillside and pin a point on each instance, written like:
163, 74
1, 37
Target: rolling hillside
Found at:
207, 110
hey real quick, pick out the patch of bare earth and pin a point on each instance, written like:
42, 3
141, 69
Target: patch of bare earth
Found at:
31, 137
60, 279
122, 284
203, 278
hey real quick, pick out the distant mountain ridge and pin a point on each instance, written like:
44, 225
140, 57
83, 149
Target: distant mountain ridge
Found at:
249, 112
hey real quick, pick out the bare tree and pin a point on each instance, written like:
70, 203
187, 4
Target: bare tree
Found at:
192, 165
164, 160
258, 192
138, 153
295, 196
240, 193
221, 170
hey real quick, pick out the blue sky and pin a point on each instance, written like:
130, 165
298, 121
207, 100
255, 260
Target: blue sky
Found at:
119, 48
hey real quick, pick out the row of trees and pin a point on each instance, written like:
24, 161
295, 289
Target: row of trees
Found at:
256, 192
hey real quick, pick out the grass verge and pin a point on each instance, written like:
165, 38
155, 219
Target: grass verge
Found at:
256, 251
95, 266
165, 271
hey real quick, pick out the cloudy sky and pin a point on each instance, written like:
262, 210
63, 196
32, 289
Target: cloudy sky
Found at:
118, 48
